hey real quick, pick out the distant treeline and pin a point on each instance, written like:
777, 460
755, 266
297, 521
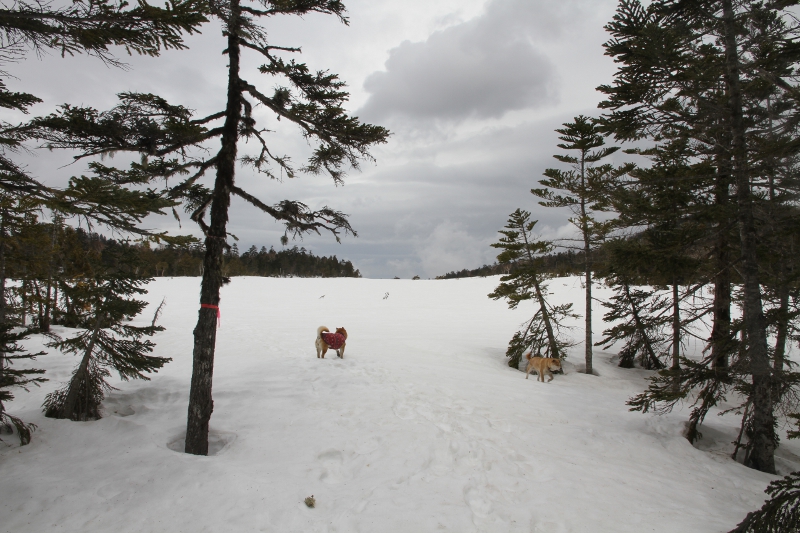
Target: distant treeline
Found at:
48, 262
294, 262
559, 264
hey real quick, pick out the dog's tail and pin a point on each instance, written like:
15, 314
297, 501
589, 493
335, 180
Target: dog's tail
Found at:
528, 356
320, 330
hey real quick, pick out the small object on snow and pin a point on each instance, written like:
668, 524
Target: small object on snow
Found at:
386, 296
321, 297
310, 502
158, 312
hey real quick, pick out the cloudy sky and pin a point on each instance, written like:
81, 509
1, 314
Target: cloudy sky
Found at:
471, 90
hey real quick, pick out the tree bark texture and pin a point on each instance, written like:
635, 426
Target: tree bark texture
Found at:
721, 341
3, 268
655, 362
201, 403
676, 327
587, 261
80, 375
762, 443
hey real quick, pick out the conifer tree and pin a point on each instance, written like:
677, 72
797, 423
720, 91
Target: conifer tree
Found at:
585, 190
13, 377
14, 214
165, 134
781, 513
636, 312
109, 341
542, 334
662, 202
77, 28
702, 70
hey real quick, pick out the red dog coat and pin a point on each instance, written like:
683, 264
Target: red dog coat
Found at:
333, 340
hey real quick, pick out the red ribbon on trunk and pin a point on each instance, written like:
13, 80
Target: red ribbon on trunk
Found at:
219, 315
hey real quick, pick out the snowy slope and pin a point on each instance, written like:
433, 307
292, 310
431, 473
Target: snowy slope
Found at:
422, 427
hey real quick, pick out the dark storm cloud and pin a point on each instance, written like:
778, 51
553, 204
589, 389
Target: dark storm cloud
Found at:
481, 68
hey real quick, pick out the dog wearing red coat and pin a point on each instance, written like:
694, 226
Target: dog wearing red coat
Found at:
327, 340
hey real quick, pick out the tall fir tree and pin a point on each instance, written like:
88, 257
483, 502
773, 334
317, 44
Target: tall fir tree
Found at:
585, 190
700, 71
312, 100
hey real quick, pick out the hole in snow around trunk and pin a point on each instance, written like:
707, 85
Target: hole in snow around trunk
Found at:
218, 442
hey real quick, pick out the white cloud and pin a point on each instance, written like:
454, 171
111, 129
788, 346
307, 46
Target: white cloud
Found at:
480, 68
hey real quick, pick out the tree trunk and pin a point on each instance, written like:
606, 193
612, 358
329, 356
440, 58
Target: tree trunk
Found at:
676, 327
24, 299
762, 454
654, 360
782, 328
551, 338
201, 404
45, 322
2, 290
587, 261
588, 340
80, 375
721, 341
3, 268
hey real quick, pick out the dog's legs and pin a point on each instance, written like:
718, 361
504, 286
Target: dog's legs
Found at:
324, 350
550, 374
527, 370
340, 352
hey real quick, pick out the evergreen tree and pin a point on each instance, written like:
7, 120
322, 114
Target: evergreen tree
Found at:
585, 190
704, 72
542, 335
76, 28
14, 214
661, 201
109, 340
11, 377
636, 312
311, 100
781, 513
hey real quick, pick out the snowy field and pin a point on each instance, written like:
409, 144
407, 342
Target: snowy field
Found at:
422, 427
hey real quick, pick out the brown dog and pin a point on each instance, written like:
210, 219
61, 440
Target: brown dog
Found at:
542, 365
334, 341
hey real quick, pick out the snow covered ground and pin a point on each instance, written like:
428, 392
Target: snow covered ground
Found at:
422, 427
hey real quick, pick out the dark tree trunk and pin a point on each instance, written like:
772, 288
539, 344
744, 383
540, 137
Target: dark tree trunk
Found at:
48, 305
782, 327
24, 298
721, 341
588, 340
201, 404
80, 376
2, 290
762, 444
587, 261
655, 362
676, 327
3, 269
